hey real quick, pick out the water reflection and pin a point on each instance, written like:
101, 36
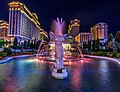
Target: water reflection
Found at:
90, 75
104, 79
76, 78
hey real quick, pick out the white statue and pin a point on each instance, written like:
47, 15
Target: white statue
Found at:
58, 27
58, 49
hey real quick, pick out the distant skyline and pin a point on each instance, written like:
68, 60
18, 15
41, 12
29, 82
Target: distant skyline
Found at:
90, 12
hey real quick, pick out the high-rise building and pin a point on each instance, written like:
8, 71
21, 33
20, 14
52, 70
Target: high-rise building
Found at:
83, 37
100, 31
74, 27
3, 29
23, 23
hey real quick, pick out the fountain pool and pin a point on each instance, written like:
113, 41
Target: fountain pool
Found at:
91, 75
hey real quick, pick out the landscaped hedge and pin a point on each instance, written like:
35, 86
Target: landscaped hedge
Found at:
86, 52
8, 51
117, 55
3, 54
99, 53
109, 54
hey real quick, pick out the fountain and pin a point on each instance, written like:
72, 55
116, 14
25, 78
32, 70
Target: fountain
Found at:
59, 71
53, 52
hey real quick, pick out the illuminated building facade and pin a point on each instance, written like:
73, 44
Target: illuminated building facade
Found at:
83, 37
23, 23
74, 27
100, 31
3, 29
43, 35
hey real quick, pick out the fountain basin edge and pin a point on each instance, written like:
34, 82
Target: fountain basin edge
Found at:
116, 60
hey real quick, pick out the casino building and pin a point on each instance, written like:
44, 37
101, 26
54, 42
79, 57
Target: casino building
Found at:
23, 23
74, 27
84, 37
3, 29
100, 30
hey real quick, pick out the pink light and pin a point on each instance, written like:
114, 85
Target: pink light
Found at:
64, 58
70, 62
81, 60
41, 61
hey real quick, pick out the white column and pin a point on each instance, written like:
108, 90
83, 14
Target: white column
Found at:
21, 24
9, 22
18, 22
87, 37
83, 37
15, 23
12, 24
80, 37
106, 33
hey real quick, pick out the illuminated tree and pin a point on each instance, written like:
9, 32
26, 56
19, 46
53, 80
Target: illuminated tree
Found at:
89, 45
28, 44
117, 36
31, 45
110, 37
25, 44
15, 42
98, 44
93, 45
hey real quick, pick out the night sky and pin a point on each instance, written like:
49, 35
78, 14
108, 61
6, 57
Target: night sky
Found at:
89, 12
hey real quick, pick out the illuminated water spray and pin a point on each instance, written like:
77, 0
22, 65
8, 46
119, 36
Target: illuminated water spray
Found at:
59, 71
57, 54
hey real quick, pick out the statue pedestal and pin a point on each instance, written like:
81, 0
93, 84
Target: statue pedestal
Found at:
59, 73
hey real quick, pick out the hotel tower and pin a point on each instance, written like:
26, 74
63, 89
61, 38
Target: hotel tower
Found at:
23, 23
100, 30
74, 27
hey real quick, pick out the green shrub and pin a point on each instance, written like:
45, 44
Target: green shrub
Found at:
86, 52
104, 53
8, 51
95, 53
3, 54
117, 55
114, 54
99, 53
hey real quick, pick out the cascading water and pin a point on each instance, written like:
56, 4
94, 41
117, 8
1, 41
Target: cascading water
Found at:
68, 54
39, 49
81, 54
